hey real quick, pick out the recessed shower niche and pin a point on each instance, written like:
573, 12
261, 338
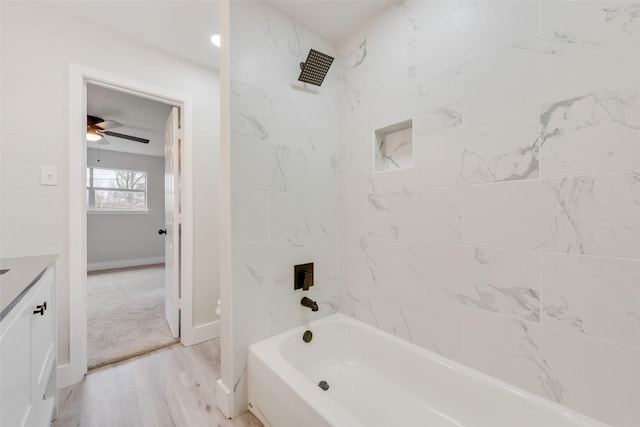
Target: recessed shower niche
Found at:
393, 146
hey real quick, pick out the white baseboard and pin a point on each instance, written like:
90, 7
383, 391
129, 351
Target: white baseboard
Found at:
199, 334
63, 376
206, 332
69, 375
224, 399
107, 265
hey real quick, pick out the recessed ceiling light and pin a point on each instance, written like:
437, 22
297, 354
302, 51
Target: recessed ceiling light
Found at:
215, 39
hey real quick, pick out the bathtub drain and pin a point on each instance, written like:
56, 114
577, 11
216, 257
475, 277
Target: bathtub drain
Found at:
323, 385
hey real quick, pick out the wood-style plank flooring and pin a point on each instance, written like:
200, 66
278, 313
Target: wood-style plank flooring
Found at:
175, 386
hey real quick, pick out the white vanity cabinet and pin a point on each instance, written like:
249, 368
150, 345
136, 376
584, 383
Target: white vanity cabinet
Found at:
28, 368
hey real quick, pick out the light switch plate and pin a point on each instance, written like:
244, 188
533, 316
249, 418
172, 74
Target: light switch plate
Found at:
49, 175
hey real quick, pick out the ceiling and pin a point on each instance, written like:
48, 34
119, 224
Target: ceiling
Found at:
139, 117
333, 19
183, 28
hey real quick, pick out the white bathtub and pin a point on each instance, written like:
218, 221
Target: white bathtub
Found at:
376, 379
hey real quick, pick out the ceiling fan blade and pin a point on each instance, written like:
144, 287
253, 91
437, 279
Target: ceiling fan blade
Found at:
97, 123
129, 137
108, 124
92, 120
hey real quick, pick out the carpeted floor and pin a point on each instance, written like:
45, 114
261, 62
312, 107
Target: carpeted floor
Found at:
125, 314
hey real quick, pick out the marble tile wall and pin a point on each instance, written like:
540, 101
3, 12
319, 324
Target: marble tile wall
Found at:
284, 138
513, 243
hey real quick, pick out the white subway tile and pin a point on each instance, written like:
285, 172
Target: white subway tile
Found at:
293, 215
594, 377
249, 111
505, 348
353, 299
497, 280
436, 103
597, 51
508, 215
597, 297
599, 378
352, 216
249, 221
597, 215
590, 134
501, 149
555, 13
259, 267
424, 215
374, 260
255, 165
472, 30
433, 325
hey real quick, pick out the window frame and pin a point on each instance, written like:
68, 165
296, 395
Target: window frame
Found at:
91, 189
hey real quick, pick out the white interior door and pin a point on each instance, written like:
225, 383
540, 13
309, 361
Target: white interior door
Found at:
172, 222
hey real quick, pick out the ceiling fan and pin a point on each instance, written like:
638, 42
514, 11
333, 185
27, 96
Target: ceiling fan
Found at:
98, 128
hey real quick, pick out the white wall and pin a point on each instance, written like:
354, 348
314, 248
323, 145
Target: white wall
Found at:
283, 179
118, 239
38, 44
513, 244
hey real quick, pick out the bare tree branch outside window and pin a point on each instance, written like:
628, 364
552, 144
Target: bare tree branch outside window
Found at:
116, 189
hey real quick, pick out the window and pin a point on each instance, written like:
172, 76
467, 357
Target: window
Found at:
116, 190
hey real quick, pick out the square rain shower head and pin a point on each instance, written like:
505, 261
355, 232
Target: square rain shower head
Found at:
315, 68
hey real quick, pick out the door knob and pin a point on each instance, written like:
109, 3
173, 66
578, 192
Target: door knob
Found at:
162, 231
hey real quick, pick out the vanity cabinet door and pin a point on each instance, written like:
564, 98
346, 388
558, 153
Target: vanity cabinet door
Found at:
42, 345
15, 352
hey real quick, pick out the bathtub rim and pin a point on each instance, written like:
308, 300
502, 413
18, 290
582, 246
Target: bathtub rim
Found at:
332, 412
323, 406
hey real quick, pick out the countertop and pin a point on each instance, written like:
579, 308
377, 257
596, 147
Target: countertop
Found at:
23, 273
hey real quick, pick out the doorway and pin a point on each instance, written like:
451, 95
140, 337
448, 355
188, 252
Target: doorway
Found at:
82, 78
130, 207
125, 314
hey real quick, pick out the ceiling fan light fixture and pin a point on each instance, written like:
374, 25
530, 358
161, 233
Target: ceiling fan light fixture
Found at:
98, 128
215, 39
93, 135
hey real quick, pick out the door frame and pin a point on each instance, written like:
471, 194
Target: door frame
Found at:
79, 77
